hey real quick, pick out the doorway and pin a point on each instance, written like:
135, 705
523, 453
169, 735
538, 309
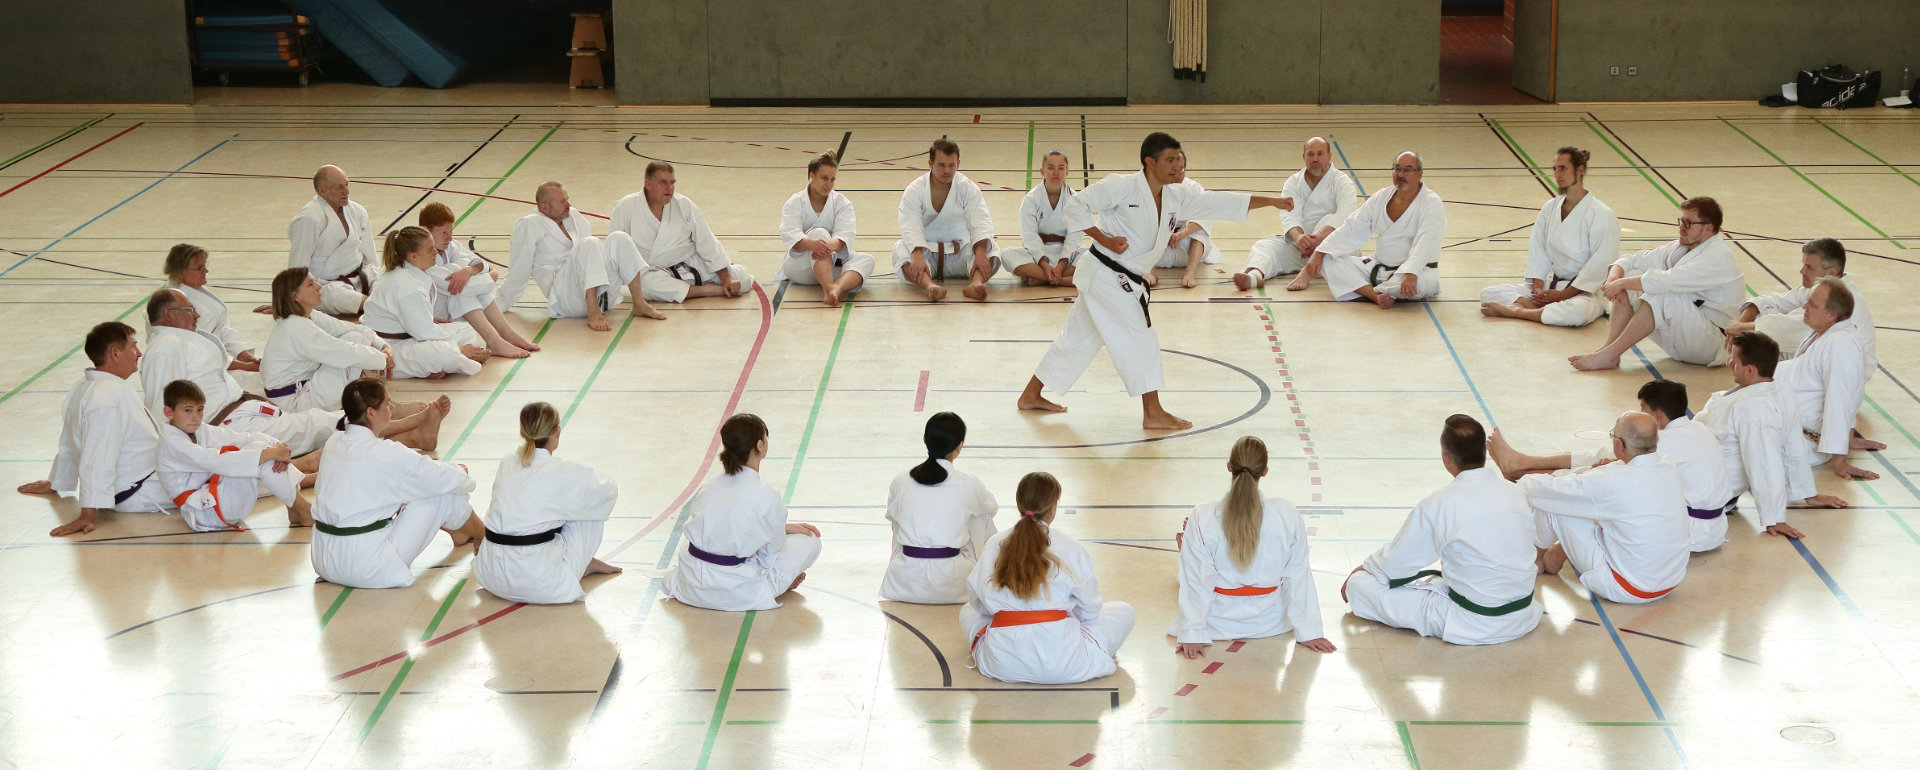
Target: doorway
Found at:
1476, 53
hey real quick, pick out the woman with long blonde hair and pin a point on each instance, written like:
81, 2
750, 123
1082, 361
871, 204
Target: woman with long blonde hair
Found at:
400, 311
546, 520
1034, 612
1243, 565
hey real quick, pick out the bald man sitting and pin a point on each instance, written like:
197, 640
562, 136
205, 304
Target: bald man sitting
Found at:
1409, 219
581, 276
1623, 526
1323, 198
333, 239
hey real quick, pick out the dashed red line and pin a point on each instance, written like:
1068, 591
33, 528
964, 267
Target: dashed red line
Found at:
1186, 690
1293, 396
1081, 762
1235, 647
1155, 714
1212, 667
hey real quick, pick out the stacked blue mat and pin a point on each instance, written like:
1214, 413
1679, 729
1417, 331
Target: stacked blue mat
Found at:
249, 41
436, 41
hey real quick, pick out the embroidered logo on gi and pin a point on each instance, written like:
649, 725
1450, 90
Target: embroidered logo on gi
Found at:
1126, 284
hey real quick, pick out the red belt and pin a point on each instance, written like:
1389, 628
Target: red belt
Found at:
1006, 618
1246, 591
1635, 591
213, 487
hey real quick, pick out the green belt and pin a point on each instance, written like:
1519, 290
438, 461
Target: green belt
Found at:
1465, 603
360, 530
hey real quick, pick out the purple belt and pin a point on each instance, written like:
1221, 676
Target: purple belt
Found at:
1705, 514
918, 552
714, 558
285, 390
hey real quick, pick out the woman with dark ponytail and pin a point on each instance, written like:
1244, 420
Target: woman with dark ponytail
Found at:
741, 552
400, 311
1243, 565
1033, 612
941, 518
377, 503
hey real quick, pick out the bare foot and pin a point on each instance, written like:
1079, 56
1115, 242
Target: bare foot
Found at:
1300, 282
598, 567
650, 312
1164, 421
300, 513
1824, 501
599, 324
936, 293
79, 526
507, 350
1593, 362
1188, 281
1384, 300
1862, 442
830, 297
1503, 455
1496, 310
796, 583
436, 376
443, 403
1553, 560
477, 354
1040, 404
36, 488
1243, 281
1153, 279
975, 291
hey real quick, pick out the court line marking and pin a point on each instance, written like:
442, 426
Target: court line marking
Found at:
116, 206
1815, 185
380, 708
35, 150
1857, 146
57, 166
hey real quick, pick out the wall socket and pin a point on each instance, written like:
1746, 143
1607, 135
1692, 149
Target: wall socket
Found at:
1613, 71
1633, 72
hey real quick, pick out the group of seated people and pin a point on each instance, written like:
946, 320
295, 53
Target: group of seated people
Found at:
314, 411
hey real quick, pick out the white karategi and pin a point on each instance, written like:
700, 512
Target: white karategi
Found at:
680, 249
1327, 204
1572, 251
1176, 255
195, 356
550, 494
1076, 648
213, 318
1407, 246
1039, 217
1111, 308
477, 294
1783, 318
1757, 432
565, 263
1828, 378
954, 514
739, 517
400, 312
1279, 567
215, 474
1692, 293
961, 221
108, 447
1694, 450
798, 221
342, 259
1622, 525
309, 359
1481, 531
365, 479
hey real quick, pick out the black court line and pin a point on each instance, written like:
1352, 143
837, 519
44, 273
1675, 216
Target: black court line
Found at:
839, 156
1136, 545
83, 129
1086, 161
1515, 152
779, 294
132, 628
451, 170
1266, 397
1671, 641
946, 672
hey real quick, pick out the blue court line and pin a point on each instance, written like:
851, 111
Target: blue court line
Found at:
1846, 602
97, 217
1457, 363
1347, 164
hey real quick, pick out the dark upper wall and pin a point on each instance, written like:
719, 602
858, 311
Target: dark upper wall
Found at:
1726, 49
1532, 28
94, 51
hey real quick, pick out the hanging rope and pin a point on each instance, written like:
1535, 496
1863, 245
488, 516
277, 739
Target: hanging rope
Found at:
1187, 31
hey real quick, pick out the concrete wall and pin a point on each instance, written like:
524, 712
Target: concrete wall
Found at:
1532, 30
1258, 52
1726, 49
94, 51
660, 51
1380, 52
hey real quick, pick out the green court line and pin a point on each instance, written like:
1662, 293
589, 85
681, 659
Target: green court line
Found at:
1904, 527
1406, 742
64, 356
1029, 154
1896, 423
1013, 721
51, 142
1531, 166
588, 385
819, 396
327, 617
1856, 145
393, 688
1815, 185
1226, 721
726, 691
1473, 723
503, 177
495, 395
1632, 164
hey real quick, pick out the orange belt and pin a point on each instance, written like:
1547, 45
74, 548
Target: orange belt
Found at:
1246, 591
1006, 618
213, 487
1635, 591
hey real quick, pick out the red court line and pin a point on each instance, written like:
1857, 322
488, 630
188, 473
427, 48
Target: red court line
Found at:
706, 464
289, 176
1081, 762
1235, 647
920, 396
1212, 667
56, 167
1183, 691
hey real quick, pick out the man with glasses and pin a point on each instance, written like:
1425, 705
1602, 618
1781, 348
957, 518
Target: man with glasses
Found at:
1828, 376
1681, 295
1410, 220
1623, 525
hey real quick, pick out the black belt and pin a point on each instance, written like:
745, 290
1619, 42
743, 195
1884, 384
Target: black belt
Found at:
390, 336
330, 529
714, 558
918, 552
534, 539
1465, 603
285, 390
1373, 276
123, 495
694, 273
356, 278
1145, 290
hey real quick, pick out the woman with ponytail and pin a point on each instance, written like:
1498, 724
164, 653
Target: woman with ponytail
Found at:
1033, 612
941, 518
546, 520
400, 311
741, 553
1243, 565
377, 503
